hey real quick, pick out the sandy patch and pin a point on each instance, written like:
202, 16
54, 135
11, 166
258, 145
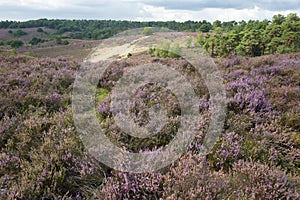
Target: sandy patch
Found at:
114, 52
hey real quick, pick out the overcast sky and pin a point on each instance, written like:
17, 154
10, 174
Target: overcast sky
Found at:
147, 10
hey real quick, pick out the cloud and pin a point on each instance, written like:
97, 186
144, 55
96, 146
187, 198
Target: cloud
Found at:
273, 5
146, 10
210, 14
33, 9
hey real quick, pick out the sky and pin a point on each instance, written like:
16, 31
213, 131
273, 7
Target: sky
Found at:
147, 10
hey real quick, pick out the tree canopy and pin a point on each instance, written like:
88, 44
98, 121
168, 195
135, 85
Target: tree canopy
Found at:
253, 38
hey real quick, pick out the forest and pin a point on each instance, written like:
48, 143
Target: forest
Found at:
100, 29
254, 38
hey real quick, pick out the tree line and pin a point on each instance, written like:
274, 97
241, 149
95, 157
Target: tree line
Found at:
100, 29
220, 39
253, 38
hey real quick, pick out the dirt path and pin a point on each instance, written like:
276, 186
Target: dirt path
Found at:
113, 52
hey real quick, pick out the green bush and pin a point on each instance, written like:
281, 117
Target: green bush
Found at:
188, 41
19, 33
15, 43
35, 41
148, 31
65, 42
59, 41
40, 30
166, 50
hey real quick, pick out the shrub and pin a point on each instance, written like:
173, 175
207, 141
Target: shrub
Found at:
165, 50
42, 156
188, 41
35, 41
40, 30
51, 163
191, 178
15, 43
65, 42
258, 181
227, 151
59, 41
131, 186
19, 33
148, 31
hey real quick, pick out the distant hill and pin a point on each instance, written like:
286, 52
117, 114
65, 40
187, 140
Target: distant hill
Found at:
8, 34
219, 39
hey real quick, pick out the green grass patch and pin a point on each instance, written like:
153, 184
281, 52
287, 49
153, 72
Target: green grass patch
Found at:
101, 93
8, 52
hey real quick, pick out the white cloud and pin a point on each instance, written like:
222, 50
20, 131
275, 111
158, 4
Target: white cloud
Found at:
277, 5
145, 10
210, 14
35, 4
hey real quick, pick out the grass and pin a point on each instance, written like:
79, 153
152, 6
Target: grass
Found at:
7, 52
101, 93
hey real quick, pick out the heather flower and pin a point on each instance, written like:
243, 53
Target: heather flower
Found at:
8, 162
203, 104
228, 151
248, 93
255, 158
234, 74
234, 60
104, 108
256, 180
131, 186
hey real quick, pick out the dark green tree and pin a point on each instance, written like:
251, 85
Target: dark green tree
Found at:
217, 24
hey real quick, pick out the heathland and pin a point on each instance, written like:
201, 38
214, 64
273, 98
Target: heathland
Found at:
256, 157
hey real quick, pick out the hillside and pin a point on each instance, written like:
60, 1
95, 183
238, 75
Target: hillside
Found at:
219, 39
257, 156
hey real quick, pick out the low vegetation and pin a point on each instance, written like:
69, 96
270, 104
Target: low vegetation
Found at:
35, 41
18, 33
165, 49
15, 43
256, 158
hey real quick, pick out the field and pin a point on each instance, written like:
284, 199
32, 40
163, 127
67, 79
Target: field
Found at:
43, 157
